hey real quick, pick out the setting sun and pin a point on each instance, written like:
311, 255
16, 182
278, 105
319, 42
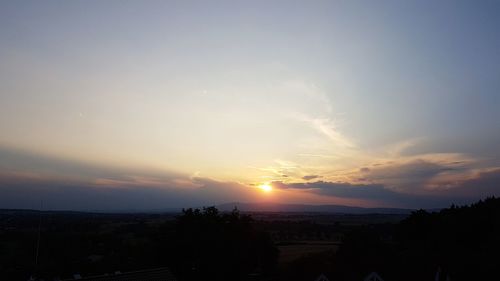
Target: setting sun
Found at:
266, 187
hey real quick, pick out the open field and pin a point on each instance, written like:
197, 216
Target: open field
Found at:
291, 252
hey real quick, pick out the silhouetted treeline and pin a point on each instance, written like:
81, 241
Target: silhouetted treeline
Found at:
194, 244
462, 242
214, 246
204, 244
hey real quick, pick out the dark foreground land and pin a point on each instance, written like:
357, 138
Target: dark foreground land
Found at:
463, 242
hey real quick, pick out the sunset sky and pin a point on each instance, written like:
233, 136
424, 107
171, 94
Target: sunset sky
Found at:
114, 105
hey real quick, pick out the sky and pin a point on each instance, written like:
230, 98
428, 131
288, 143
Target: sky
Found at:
135, 105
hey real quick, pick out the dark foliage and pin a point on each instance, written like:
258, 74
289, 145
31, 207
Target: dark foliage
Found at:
461, 242
215, 246
465, 241
195, 244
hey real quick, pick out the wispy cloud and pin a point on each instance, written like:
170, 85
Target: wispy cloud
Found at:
328, 128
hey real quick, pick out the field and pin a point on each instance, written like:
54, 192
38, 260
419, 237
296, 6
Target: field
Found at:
102, 242
291, 252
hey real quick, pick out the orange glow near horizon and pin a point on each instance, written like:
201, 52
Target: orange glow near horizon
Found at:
266, 187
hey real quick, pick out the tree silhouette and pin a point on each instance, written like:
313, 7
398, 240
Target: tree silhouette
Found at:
216, 246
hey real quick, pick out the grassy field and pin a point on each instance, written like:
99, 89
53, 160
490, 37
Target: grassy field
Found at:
291, 252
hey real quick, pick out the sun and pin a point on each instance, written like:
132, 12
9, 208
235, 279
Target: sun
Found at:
266, 187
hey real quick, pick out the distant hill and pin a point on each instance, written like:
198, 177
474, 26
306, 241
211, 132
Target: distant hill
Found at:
302, 208
244, 207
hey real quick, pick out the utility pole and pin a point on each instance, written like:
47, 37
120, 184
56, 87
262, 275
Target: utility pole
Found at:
38, 238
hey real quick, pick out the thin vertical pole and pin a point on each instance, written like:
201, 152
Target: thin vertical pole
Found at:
38, 239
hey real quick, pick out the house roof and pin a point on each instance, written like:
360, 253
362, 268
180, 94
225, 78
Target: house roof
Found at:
322, 277
157, 274
373, 277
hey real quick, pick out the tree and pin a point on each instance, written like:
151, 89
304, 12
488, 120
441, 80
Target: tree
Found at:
219, 246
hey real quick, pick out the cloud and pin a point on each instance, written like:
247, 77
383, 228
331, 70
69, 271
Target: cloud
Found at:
310, 177
222, 191
341, 189
406, 175
282, 169
27, 178
462, 191
314, 94
14, 161
328, 128
402, 147
412, 175
64, 195
73, 196
364, 170
483, 184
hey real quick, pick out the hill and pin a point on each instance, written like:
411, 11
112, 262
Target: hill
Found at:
302, 208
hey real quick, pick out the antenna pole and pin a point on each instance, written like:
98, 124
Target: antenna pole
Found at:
38, 239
